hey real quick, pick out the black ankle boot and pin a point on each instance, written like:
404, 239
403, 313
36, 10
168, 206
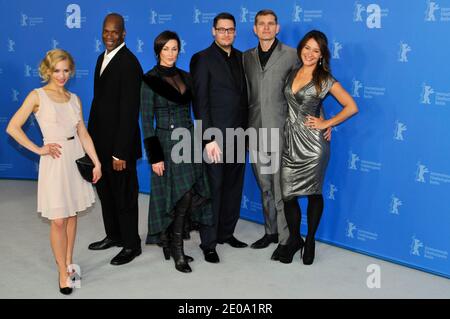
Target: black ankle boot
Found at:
308, 256
288, 251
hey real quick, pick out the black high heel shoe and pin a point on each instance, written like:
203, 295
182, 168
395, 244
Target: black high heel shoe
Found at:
64, 290
308, 257
289, 250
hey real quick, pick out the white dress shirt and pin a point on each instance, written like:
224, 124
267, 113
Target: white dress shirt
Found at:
109, 56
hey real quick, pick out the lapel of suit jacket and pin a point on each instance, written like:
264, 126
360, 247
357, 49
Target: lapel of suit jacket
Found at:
255, 56
98, 66
276, 54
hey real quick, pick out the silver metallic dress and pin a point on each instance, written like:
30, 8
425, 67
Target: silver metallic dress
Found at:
306, 152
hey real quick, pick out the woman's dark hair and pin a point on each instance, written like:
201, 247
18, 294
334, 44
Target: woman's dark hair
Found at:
322, 71
162, 39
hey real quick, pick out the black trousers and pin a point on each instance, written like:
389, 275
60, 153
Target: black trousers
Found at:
226, 181
118, 192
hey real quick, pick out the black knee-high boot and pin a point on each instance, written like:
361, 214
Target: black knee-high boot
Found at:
295, 242
176, 245
315, 209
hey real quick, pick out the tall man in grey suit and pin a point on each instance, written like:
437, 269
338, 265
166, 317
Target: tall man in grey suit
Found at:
266, 68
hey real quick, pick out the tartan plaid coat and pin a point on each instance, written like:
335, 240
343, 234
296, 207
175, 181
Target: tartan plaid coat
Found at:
164, 109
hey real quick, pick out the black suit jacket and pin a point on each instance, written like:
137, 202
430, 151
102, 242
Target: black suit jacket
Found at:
114, 117
218, 100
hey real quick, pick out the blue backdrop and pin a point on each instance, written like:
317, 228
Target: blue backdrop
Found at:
388, 180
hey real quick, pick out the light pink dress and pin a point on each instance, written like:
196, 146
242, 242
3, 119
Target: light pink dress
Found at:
62, 192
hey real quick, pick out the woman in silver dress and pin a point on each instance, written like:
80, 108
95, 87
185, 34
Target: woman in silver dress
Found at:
306, 151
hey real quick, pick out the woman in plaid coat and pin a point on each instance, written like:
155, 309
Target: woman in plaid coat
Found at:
179, 186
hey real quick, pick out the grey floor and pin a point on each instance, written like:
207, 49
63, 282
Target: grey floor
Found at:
28, 268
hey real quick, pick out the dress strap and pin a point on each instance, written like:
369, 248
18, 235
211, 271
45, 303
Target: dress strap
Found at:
43, 100
40, 93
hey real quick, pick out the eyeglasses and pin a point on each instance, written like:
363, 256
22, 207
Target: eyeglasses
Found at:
223, 30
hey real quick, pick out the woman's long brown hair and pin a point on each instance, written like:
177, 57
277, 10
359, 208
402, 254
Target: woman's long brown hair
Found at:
322, 70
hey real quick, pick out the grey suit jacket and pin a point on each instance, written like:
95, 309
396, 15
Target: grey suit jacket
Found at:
267, 104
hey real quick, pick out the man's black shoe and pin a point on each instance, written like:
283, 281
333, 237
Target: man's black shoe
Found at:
233, 242
265, 241
211, 256
125, 256
104, 244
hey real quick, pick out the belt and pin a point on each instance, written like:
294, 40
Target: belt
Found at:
56, 139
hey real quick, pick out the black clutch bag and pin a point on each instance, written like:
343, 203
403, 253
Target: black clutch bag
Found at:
85, 166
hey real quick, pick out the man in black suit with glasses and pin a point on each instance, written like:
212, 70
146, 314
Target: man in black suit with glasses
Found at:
220, 101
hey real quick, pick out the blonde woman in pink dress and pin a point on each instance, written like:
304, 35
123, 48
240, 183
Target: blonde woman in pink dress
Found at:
62, 192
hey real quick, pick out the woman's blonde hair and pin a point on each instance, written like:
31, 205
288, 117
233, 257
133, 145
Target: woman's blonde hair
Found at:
50, 60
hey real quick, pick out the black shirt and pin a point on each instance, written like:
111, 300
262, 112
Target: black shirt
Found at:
232, 62
265, 56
